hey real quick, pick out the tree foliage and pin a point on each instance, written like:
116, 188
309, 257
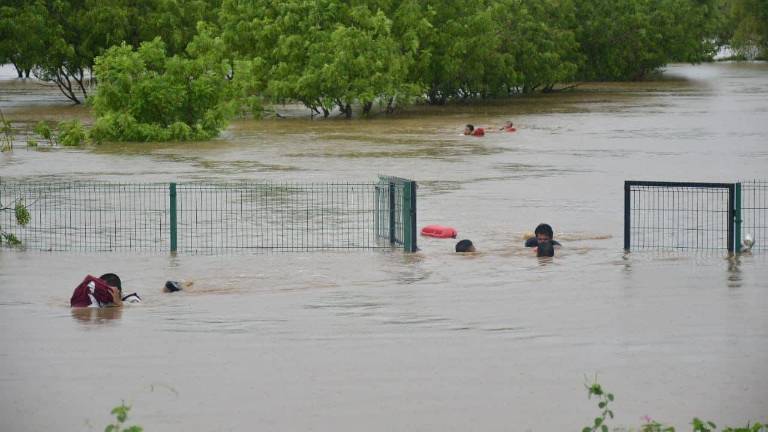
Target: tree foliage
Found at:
146, 95
324, 54
749, 25
627, 39
60, 39
168, 65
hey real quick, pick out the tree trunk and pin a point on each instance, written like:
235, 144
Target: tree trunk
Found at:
348, 111
19, 71
367, 107
65, 85
390, 105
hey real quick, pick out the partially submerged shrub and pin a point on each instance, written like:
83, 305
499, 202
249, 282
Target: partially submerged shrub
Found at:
145, 95
6, 129
45, 132
71, 133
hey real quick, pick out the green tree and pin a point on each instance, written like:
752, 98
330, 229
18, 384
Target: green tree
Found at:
324, 54
750, 26
539, 37
628, 39
23, 33
146, 95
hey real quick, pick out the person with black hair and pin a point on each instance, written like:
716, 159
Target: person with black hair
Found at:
113, 280
465, 246
471, 130
543, 233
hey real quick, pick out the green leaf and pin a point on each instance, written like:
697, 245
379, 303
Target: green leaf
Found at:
604, 428
610, 397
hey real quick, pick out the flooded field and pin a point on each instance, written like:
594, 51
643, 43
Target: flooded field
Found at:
381, 340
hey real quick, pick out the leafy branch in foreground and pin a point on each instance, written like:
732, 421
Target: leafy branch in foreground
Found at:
21, 213
595, 389
121, 416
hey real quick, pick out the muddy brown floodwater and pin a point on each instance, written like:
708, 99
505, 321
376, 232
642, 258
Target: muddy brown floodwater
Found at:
382, 341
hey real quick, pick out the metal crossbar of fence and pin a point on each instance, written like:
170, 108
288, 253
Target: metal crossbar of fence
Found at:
211, 218
678, 215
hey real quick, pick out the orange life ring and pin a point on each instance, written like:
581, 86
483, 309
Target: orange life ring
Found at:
439, 231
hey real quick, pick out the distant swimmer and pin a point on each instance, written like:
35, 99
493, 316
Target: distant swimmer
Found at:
465, 246
473, 131
104, 291
508, 127
543, 233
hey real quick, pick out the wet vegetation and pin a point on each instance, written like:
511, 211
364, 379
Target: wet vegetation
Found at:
121, 416
156, 70
21, 216
598, 424
604, 399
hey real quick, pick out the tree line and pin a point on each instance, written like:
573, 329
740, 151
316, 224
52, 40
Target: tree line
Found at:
176, 69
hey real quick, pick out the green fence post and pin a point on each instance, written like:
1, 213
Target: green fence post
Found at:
627, 215
409, 216
392, 219
172, 190
737, 218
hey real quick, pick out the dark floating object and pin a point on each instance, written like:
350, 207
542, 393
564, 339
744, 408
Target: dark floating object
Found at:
172, 286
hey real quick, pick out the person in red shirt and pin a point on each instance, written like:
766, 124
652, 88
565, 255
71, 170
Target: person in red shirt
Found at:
471, 130
508, 127
104, 291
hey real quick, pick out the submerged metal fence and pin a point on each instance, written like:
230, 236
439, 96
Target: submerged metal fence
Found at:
754, 212
210, 218
680, 215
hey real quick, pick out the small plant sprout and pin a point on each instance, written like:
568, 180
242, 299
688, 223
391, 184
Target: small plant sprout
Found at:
651, 425
603, 401
121, 416
702, 426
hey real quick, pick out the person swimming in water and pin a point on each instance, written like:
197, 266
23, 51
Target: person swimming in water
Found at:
104, 291
473, 131
543, 233
465, 246
508, 127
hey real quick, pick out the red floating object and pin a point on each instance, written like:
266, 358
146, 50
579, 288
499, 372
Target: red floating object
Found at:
439, 231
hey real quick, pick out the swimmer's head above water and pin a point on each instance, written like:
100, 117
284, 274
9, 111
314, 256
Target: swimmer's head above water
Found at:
544, 232
112, 280
465, 246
